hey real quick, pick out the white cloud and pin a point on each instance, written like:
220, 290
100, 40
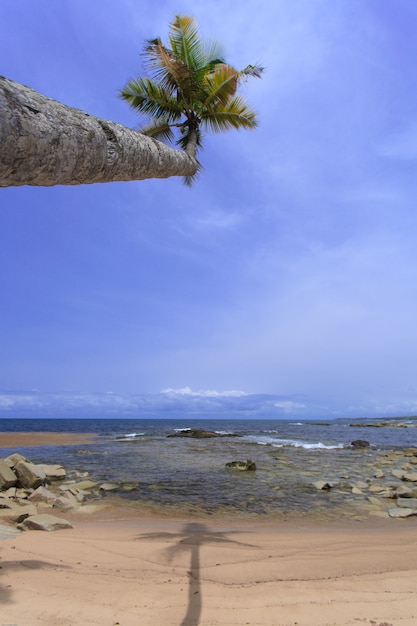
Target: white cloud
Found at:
210, 393
288, 406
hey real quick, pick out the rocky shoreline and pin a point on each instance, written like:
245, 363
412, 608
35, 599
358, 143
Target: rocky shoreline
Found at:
34, 496
29, 492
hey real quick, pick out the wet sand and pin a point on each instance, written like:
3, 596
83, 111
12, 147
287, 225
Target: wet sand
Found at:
28, 440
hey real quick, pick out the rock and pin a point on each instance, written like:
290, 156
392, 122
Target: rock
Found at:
11, 492
408, 503
17, 513
8, 532
198, 433
84, 485
41, 494
379, 474
30, 475
323, 485
406, 492
410, 477
398, 474
7, 477
65, 503
14, 459
53, 472
399, 512
108, 486
44, 522
360, 443
243, 466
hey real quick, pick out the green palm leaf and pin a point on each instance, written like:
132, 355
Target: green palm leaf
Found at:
191, 88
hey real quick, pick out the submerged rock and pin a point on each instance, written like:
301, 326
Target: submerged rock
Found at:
243, 466
198, 433
360, 443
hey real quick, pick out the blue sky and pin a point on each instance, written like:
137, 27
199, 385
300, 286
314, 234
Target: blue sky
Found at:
285, 280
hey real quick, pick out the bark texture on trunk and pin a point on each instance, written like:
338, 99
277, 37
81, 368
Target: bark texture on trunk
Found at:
45, 143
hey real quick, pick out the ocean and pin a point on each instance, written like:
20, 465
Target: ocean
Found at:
186, 476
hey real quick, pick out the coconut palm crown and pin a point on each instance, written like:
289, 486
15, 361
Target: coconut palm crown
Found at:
191, 89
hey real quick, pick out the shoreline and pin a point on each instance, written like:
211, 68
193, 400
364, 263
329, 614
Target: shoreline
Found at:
125, 565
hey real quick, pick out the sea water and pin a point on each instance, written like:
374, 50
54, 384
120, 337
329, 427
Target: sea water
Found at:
189, 476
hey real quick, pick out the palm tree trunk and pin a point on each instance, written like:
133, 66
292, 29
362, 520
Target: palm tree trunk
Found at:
45, 143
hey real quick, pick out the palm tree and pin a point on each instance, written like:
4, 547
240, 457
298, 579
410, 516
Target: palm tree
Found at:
44, 143
191, 88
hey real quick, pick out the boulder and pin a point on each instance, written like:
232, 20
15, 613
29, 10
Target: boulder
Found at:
408, 503
53, 472
17, 513
44, 522
323, 485
198, 433
65, 503
242, 466
7, 477
30, 476
14, 459
360, 443
41, 494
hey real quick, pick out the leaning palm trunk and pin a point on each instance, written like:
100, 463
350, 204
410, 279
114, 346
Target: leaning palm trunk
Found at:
45, 143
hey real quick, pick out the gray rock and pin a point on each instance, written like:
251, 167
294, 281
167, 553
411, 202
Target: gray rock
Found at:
30, 475
7, 477
400, 512
8, 532
44, 522
360, 444
408, 503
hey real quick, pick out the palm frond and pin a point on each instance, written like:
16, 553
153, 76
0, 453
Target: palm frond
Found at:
221, 84
236, 114
151, 98
250, 71
159, 130
165, 67
187, 44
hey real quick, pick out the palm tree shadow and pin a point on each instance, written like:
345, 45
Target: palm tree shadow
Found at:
190, 539
7, 566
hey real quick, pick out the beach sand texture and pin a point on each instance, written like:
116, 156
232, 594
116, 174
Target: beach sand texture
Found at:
160, 572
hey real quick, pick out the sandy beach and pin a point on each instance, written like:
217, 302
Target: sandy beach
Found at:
153, 571
119, 567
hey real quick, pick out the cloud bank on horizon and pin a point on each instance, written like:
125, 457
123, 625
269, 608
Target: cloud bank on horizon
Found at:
287, 274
